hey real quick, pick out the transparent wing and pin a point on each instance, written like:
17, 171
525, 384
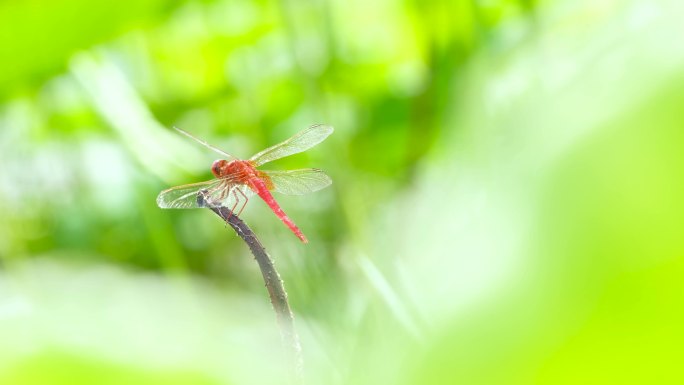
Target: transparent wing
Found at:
301, 141
205, 144
213, 193
298, 182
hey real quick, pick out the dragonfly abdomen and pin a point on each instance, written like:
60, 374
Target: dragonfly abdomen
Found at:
261, 189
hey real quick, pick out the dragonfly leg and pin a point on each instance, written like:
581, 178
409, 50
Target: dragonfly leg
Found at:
244, 204
237, 201
224, 193
227, 190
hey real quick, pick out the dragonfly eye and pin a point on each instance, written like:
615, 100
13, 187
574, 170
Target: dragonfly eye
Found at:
217, 166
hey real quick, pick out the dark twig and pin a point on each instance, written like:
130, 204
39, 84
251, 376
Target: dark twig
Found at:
274, 285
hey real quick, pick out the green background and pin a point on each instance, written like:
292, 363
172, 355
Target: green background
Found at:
506, 206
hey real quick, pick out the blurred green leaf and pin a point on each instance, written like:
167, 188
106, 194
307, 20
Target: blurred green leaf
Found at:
37, 37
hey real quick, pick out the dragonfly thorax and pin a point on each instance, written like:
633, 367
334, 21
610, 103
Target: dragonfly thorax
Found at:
240, 170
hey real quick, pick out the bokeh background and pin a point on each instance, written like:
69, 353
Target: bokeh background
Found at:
507, 205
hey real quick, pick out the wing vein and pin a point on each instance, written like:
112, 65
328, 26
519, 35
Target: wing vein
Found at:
301, 141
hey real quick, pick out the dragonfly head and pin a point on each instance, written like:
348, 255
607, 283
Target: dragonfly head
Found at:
218, 168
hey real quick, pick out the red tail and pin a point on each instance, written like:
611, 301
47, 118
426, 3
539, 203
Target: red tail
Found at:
263, 192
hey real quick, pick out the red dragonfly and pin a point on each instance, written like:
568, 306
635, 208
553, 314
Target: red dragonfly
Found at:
236, 180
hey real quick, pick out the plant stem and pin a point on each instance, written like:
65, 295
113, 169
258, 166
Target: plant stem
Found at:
274, 285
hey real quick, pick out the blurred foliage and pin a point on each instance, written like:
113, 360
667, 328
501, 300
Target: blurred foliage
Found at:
60, 369
505, 206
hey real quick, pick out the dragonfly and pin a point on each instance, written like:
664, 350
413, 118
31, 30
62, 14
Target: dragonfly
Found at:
236, 180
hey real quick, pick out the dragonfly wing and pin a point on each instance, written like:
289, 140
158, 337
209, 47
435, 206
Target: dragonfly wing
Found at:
213, 193
205, 144
301, 141
298, 182
234, 197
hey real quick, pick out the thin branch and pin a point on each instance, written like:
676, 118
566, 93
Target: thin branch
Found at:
274, 285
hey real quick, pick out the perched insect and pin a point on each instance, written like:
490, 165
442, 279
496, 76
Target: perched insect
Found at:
236, 180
